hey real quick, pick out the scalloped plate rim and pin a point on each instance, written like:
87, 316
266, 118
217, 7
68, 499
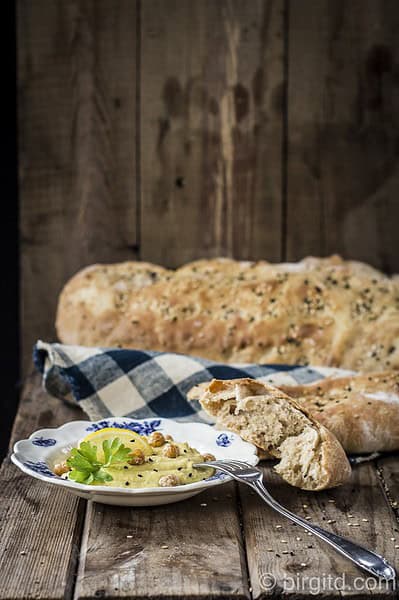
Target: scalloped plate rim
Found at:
252, 458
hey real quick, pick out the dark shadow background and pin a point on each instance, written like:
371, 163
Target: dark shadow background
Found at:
9, 240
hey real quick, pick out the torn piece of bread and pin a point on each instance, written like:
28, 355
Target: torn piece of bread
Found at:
310, 456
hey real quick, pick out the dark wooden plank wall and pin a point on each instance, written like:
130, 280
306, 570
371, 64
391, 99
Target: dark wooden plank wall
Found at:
77, 146
167, 130
212, 75
343, 130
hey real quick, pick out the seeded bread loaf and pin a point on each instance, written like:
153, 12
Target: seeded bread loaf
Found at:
362, 411
310, 457
318, 311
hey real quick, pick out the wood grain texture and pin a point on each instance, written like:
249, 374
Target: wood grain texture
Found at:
343, 101
301, 568
194, 549
187, 550
77, 119
40, 525
388, 470
165, 128
212, 84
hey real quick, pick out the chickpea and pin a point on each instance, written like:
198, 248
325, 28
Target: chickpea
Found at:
156, 439
168, 438
171, 450
136, 457
207, 457
61, 468
169, 480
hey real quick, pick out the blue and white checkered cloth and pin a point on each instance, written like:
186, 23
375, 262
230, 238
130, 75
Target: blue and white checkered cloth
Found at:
113, 382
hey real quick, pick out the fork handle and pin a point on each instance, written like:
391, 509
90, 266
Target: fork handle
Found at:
363, 558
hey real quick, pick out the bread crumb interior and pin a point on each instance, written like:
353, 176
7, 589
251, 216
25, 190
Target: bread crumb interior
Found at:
273, 424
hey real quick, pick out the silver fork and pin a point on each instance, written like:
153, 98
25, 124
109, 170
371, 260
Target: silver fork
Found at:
363, 558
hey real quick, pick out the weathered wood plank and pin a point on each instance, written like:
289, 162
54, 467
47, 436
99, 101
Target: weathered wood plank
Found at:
388, 470
212, 85
40, 525
303, 567
190, 549
204, 556
77, 116
343, 124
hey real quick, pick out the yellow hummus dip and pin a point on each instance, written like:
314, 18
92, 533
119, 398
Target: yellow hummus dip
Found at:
130, 460
160, 470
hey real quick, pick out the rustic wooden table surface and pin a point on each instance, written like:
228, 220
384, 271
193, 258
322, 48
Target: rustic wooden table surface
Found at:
225, 543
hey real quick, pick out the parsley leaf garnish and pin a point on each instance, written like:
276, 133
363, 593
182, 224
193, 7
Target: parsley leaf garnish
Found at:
86, 466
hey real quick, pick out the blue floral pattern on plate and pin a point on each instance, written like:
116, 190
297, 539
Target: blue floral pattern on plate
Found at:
224, 440
45, 442
39, 467
217, 476
143, 428
37, 459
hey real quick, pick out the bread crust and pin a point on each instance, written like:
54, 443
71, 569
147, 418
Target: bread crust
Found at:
222, 400
318, 311
362, 411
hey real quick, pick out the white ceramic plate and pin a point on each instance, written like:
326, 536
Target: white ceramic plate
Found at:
45, 448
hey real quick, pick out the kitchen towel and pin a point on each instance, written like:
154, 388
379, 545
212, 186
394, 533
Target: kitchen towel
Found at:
115, 382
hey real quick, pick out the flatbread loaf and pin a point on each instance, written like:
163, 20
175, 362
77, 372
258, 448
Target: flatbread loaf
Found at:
310, 457
318, 311
362, 411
